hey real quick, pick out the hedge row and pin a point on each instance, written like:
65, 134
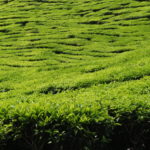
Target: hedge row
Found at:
75, 126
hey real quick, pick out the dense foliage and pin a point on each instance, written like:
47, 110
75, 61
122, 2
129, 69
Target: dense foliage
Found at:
74, 75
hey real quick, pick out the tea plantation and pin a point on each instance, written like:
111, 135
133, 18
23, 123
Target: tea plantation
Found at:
74, 75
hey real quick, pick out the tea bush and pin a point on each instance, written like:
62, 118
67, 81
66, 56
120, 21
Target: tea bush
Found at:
74, 74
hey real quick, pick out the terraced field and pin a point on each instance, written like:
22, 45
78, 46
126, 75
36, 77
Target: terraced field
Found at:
75, 74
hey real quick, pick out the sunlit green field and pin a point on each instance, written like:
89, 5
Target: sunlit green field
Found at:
74, 74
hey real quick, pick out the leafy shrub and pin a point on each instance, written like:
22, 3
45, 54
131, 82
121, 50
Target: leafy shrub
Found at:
77, 127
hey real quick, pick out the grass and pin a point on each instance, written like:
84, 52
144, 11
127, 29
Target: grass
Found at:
73, 53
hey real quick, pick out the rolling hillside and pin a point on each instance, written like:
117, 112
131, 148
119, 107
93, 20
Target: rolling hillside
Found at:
75, 74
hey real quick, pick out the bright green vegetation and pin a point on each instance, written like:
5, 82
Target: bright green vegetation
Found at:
74, 74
